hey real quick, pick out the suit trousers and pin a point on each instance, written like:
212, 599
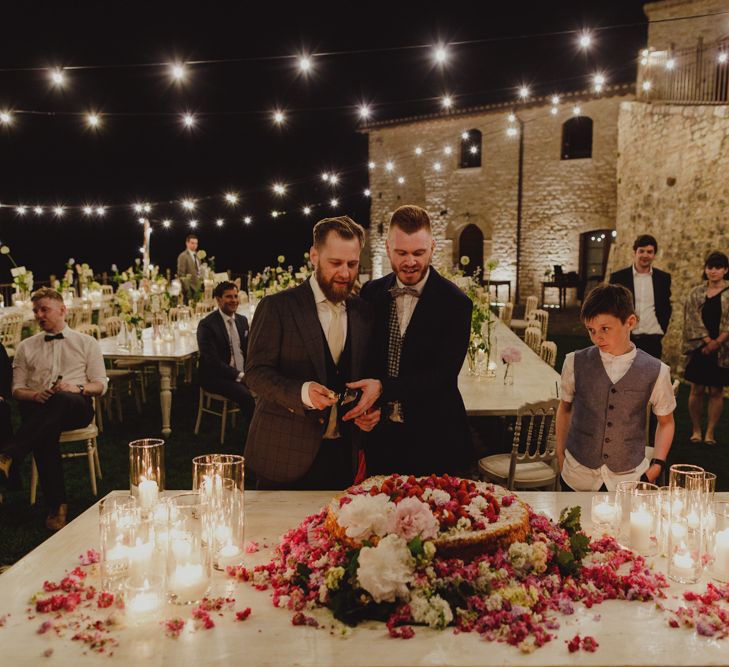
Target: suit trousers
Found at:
332, 469
39, 433
235, 391
650, 343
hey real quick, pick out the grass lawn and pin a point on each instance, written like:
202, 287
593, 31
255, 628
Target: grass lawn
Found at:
22, 526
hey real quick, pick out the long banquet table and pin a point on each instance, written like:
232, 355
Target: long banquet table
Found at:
534, 381
167, 355
628, 633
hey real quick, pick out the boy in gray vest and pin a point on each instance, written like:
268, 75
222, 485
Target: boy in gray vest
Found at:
601, 424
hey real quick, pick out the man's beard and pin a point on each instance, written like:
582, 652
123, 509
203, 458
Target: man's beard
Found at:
334, 293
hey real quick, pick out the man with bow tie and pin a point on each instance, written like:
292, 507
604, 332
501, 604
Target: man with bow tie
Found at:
55, 375
422, 327
222, 338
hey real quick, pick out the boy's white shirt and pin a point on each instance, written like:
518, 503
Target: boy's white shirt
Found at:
581, 477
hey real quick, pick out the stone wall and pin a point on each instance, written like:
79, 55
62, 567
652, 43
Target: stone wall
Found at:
561, 198
672, 183
667, 28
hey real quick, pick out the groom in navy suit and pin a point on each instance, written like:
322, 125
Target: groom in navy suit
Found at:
222, 338
422, 328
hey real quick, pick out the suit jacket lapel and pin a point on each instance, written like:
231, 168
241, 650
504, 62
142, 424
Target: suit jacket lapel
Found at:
421, 309
356, 327
307, 321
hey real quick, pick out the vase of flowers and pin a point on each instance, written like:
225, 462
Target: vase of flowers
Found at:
510, 356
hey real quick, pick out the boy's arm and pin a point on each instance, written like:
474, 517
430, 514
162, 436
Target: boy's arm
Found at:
562, 426
662, 444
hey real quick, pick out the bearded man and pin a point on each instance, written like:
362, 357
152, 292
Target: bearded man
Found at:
305, 345
422, 328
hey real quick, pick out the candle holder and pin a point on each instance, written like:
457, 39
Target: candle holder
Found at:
623, 506
143, 599
718, 541
228, 518
189, 562
118, 521
603, 512
644, 519
147, 470
685, 533
218, 466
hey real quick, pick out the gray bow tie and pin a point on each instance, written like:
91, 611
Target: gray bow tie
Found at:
400, 291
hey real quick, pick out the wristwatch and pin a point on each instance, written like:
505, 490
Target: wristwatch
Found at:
82, 388
659, 462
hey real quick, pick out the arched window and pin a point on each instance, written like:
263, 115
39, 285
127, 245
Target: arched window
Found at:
470, 244
470, 149
577, 138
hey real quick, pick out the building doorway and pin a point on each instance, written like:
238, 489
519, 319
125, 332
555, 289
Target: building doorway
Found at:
470, 244
594, 251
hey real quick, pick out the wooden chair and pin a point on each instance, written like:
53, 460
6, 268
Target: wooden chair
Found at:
11, 331
107, 291
204, 405
531, 304
87, 435
505, 313
112, 326
533, 338
548, 352
531, 463
542, 318
205, 307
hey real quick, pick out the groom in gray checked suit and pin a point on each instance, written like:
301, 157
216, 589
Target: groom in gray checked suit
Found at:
306, 345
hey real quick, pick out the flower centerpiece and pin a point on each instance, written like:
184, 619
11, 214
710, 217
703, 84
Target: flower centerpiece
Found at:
510, 356
276, 279
130, 335
22, 278
382, 563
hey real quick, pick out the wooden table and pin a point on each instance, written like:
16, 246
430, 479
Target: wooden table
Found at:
630, 634
561, 288
167, 355
498, 283
534, 381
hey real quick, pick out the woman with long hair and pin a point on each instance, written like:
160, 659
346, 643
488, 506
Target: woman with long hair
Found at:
706, 340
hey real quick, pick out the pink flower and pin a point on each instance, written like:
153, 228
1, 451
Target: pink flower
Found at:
510, 355
413, 518
251, 547
90, 557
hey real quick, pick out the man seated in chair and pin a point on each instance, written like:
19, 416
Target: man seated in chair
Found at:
55, 374
222, 338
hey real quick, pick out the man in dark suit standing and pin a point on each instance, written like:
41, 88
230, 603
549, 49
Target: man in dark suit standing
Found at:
422, 327
306, 344
651, 290
222, 338
188, 266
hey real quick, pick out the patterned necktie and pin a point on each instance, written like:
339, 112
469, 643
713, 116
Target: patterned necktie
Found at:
394, 348
236, 356
335, 340
401, 291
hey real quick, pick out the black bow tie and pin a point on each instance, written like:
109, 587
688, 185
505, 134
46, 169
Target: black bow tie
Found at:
400, 291
48, 337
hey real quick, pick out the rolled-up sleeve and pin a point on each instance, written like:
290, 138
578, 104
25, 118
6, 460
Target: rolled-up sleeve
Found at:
20, 369
95, 369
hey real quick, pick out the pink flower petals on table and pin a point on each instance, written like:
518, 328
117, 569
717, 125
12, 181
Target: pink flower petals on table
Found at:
90, 557
251, 547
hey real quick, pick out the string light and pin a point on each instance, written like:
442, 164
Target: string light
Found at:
38, 210
193, 223
585, 40
305, 64
333, 179
555, 100
274, 214
279, 117
20, 210
473, 150
437, 166
554, 111
523, 92
6, 117
722, 57
418, 150
166, 223
100, 211
576, 111
646, 86
440, 54
367, 192
389, 165
364, 111
401, 180
188, 204
137, 208
371, 165
511, 131
141, 221
447, 101
88, 210
307, 210
248, 220
231, 198
93, 120
670, 63
279, 189
598, 81
58, 78
189, 120
448, 150
147, 208
178, 72
325, 177
334, 203
464, 136
59, 211
219, 222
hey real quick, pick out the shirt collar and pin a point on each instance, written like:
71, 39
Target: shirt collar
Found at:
637, 273
418, 287
628, 356
226, 317
319, 296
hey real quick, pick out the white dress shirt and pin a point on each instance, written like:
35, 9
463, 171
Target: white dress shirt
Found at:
645, 304
234, 338
662, 400
77, 357
406, 303
323, 310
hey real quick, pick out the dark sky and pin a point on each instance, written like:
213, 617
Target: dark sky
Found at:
147, 156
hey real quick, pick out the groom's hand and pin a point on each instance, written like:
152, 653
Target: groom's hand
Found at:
371, 390
369, 420
321, 397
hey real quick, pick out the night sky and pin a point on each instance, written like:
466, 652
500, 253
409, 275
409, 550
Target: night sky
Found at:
147, 155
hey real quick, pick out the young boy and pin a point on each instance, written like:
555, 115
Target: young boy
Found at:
601, 421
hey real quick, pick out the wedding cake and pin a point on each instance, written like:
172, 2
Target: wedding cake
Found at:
463, 518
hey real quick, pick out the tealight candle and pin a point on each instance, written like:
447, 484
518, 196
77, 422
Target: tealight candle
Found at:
603, 513
116, 554
143, 607
230, 554
640, 529
684, 565
693, 520
223, 534
148, 493
678, 531
721, 554
140, 556
188, 583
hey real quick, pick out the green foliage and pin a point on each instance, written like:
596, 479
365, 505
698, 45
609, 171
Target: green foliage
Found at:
569, 561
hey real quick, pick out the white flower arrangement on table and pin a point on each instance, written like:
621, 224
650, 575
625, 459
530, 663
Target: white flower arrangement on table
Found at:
276, 279
22, 278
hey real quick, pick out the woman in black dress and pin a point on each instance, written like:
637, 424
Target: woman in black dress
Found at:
706, 340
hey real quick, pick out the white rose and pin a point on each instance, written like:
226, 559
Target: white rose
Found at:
386, 570
366, 516
440, 497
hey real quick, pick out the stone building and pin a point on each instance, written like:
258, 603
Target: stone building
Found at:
657, 164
